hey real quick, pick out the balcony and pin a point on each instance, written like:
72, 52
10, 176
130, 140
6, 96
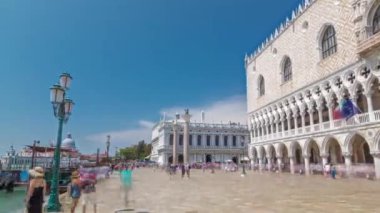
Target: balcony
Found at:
356, 121
367, 45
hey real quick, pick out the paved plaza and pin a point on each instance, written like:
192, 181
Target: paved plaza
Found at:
229, 192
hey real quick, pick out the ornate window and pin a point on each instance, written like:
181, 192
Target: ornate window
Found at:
171, 140
287, 70
199, 140
208, 140
180, 140
329, 45
226, 140
261, 85
376, 21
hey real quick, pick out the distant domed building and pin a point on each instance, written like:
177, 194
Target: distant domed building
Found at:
68, 143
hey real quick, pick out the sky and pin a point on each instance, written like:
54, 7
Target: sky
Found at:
131, 62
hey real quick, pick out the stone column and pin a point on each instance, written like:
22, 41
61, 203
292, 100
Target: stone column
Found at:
376, 159
282, 126
186, 117
303, 120
260, 164
279, 163
269, 166
320, 116
175, 136
276, 123
288, 119
307, 165
348, 163
311, 118
291, 159
368, 95
331, 115
295, 123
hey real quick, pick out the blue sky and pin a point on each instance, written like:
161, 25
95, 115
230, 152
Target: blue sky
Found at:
131, 60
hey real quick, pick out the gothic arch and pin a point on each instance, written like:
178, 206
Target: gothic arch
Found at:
326, 140
376, 143
370, 14
270, 151
347, 145
333, 150
286, 68
261, 152
359, 148
296, 152
320, 37
281, 150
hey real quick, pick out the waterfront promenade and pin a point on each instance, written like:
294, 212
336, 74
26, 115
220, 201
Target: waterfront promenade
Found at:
228, 192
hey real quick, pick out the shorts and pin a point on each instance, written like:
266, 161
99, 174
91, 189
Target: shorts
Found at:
74, 202
88, 198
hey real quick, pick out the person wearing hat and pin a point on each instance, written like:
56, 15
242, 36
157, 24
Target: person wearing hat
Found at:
74, 190
36, 191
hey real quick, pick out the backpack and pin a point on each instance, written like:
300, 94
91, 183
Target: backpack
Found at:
75, 191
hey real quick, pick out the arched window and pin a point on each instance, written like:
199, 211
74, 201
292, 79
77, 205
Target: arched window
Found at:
376, 21
261, 86
287, 70
329, 45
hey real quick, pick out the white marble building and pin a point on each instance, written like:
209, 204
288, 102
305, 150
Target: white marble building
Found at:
207, 142
326, 51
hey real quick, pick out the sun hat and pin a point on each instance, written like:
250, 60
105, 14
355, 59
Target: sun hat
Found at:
75, 174
37, 172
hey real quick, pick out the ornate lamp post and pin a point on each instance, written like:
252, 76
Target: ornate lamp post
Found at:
33, 152
108, 143
62, 107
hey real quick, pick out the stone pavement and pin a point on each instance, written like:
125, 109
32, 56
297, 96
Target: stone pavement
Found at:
229, 192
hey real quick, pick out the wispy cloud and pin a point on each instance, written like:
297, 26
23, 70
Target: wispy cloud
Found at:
229, 109
126, 137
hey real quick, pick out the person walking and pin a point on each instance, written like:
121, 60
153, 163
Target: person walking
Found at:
333, 171
74, 190
183, 170
36, 191
89, 196
187, 169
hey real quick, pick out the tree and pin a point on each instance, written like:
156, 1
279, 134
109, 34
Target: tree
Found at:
136, 152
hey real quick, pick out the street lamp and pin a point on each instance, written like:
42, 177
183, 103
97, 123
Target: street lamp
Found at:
108, 143
62, 108
243, 173
33, 152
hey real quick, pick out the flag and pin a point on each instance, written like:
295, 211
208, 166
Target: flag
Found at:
348, 109
337, 114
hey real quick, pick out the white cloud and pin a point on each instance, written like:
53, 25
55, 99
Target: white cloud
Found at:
230, 109
127, 137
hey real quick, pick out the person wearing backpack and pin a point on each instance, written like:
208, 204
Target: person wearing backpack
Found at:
74, 190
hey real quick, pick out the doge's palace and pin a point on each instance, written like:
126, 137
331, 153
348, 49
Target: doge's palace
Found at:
325, 52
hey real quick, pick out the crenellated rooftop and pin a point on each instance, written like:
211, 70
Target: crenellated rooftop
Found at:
279, 30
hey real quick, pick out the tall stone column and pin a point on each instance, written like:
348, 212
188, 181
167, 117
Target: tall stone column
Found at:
186, 117
348, 163
288, 119
311, 118
282, 126
320, 116
291, 159
303, 120
370, 105
331, 114
269, 166
279, 163
276, 123
307, 165
175, 143
376, 159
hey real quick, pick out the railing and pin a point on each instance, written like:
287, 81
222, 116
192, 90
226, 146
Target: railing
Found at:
356, 120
